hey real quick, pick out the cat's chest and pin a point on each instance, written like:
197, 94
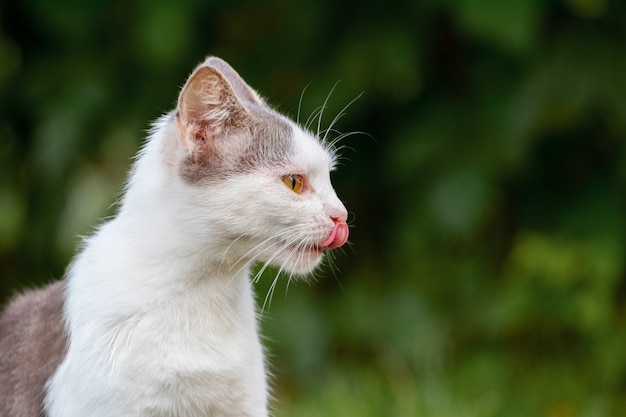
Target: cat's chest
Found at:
197, 349
191, 332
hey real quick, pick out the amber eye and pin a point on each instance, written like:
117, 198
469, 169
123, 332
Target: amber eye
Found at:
295, 182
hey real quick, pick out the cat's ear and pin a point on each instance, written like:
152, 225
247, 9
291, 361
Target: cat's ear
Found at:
212, 104
243, 90
207, 106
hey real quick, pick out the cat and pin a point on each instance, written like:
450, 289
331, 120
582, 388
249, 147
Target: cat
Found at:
155, 315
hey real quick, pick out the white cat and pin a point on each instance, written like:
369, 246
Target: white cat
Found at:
156, 315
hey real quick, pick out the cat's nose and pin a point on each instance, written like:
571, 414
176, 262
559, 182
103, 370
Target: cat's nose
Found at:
341, 216
338, 236
337, 212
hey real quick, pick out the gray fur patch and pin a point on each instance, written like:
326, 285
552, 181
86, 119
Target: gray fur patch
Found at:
33, 341
266, 141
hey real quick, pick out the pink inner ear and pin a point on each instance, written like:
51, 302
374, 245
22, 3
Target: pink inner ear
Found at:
338, 237
207, 100
198, 133
190, 135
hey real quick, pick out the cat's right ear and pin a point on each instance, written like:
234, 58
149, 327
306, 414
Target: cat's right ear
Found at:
208, 109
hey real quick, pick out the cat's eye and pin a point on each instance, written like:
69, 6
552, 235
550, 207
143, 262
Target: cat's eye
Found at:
295, 182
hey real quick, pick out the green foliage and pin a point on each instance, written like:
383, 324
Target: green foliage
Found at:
487, 273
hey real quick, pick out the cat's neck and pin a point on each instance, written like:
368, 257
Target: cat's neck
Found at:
153, 216
153, 277
150, 253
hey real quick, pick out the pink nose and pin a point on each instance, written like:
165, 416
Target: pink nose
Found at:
337, 237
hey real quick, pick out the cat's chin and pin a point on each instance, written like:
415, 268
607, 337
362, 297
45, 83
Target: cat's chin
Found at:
300, 260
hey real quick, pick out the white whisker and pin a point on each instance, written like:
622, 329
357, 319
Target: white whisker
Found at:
276, 236
341, 113
345, 135
295, 249
324, 106
312, 117
270, 293
300, 103
223, 258
260, 248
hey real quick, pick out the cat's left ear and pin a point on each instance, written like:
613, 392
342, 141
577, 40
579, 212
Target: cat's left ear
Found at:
242, 89
212, 105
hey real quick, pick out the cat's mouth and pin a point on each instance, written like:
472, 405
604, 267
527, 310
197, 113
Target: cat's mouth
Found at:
337, 237
307, 254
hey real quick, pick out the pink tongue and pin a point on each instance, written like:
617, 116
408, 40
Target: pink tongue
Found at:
337, 237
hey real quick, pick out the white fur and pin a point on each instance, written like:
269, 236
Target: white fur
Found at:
159, 305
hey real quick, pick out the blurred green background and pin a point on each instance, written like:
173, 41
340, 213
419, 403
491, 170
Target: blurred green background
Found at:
486, 275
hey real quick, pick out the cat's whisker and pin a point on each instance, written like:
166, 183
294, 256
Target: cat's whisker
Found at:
312, 117
289, 279
324, 106
350, 246
300, 103
351, 219
325, 132
338, 155
296, 249
345, 135
286, 231
342, 147
330, 128
258, 275
223, 258
342, 112
263, 246
270, 293
285, 245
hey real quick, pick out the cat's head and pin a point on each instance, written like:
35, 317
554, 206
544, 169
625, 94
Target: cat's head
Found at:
256, 179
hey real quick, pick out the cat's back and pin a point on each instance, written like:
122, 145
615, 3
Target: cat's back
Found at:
32, 344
